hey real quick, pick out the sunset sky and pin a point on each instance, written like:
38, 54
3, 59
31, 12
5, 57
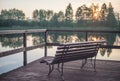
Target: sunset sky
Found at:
28, 6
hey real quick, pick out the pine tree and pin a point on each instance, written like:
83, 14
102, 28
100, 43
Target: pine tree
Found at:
69, 13
103, 12
111, 20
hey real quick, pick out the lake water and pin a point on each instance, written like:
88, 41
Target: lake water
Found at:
8, 42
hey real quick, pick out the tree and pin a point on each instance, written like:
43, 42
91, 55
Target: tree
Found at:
103, 12
111, 20
78, 14
49, 15
69, 13
83, 15
58, 19
42, 15
95, 13
61, 16
36, 15
19, 15
54, 19
14, 14
4, 14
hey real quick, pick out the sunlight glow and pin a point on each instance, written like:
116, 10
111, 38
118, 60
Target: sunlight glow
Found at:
94, 39
96, 15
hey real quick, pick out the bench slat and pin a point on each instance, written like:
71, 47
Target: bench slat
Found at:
77, 49
75, 45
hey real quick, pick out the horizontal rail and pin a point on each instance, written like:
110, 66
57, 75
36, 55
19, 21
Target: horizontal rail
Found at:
102, 31
44, 30
10, 52
21, 31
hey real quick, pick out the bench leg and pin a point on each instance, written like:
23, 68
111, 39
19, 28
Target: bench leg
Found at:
51, 68
62, 71
58, 67
83, 63
91, 59
95, 64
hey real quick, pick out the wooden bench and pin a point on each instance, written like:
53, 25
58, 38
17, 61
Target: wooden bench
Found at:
71, 52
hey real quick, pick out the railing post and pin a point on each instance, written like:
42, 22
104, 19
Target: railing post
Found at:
45, 44
24, 52
66, 39
86, 36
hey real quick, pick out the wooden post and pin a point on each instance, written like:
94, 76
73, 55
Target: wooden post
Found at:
66, 39
24, 52
86, 36
45, 44
118, 22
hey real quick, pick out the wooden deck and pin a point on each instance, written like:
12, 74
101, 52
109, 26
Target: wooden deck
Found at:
106, 71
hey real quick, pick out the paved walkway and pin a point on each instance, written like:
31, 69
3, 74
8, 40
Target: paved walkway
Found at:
106, 71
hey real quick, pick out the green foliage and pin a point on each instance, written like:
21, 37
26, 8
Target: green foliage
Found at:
14, 14
69, 13
111, 20
42, 15
49, 15
84, 16
35, 14
78, 14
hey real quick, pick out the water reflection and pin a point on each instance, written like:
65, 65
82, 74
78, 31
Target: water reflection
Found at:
16, 41
11, 41
103, 51
37, 38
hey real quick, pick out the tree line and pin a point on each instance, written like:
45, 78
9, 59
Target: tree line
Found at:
84, 16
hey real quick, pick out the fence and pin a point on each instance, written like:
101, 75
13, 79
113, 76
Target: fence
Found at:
25, 48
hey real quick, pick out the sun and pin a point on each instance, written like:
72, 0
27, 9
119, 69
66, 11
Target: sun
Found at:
96, 16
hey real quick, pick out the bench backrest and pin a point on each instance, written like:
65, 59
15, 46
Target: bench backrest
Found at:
75, 51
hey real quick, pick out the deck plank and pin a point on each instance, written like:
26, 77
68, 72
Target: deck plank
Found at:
106, 71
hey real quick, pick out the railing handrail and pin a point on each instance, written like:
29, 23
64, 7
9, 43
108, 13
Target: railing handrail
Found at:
21, 31
69, 30
57, 30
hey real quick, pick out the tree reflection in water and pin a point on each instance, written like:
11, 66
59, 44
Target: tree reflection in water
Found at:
15, 41
11, 41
